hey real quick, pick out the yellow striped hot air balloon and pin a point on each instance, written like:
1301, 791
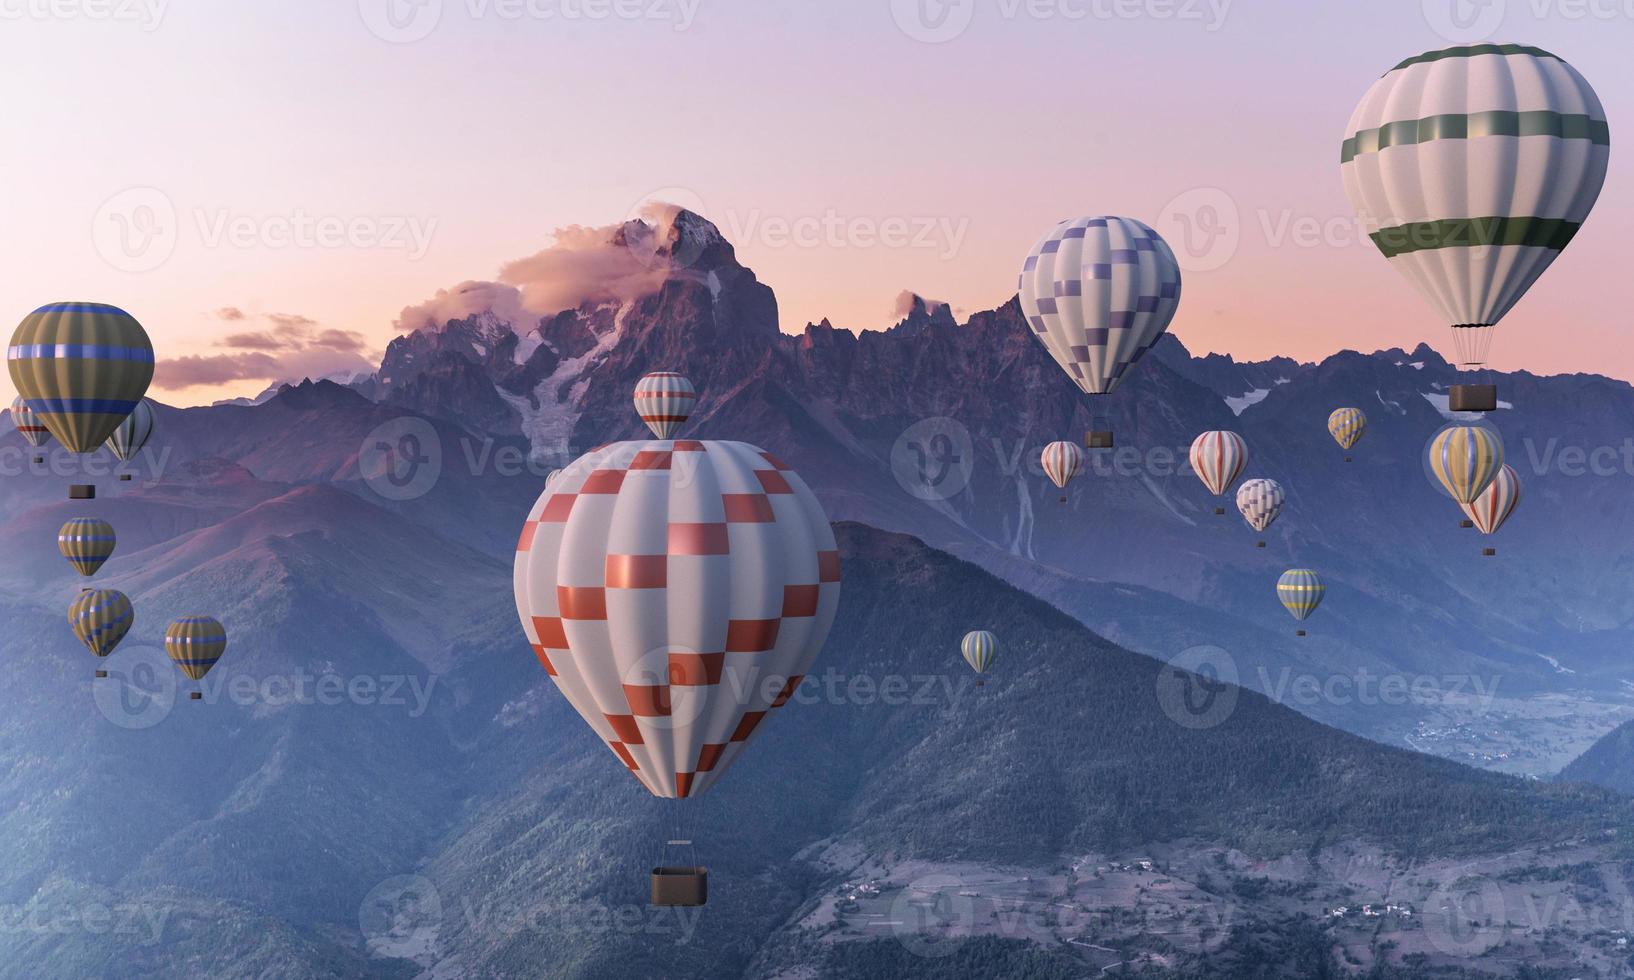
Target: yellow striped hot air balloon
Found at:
101, 618
86, 542
1464, 459
1300, 591
979, 648
80, 368
195, 643
1346, 425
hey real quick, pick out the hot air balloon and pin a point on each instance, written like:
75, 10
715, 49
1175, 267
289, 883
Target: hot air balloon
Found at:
101, 618
979, 648
664, 400
1098, 293
195, 643
1346, 425
677, 593
1489, 511
1218, 459
1260, 502
1301, 592
133, 433
86, 542
28, 425
1464, 459
81, 368
1472, 168
1062, 462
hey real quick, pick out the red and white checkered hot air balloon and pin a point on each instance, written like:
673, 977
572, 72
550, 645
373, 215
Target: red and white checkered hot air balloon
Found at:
677, 592
664, 400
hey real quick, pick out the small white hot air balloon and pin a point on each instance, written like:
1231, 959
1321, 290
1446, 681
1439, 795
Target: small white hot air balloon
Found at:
664, 400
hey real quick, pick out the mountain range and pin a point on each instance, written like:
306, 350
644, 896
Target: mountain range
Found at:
379, 780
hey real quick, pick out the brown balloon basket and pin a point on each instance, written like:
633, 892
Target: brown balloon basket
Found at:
1466, 523
1299, 632
980, 682
196, 696
1489, 552
1473, 398
1098, 439
82, 491
38, 460
1259, 544
677, 886
101, 673
1347, 459
124, 478
1219, 512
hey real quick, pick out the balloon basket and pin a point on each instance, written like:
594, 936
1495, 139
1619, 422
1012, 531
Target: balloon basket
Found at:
1259, 544
1466, 523
196, 696
82, 491
1219, 512
1473, 398
38, 460
1063, 500
124, 478
1489, 552
981, 683
101, 674
1348, 459
680, 887
1098, 439
1299, 632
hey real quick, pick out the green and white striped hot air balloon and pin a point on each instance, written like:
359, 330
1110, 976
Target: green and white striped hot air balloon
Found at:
80, 368
1472, 168
133, 433
979, 648
1300, 590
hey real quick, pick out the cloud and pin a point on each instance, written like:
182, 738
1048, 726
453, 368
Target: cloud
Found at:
905, 301
581, 265
291, 347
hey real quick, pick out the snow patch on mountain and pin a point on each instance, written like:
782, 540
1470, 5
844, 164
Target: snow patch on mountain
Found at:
1239, 403
549, 426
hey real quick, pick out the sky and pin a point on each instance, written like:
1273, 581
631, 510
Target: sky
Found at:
268, 187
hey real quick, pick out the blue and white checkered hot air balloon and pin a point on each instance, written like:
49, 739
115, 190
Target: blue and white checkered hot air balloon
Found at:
1098, 293
1472, 168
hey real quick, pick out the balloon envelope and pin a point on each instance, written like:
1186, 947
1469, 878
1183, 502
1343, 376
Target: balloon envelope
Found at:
1062, 461
1346, 425
1464, 459
86, 542
677, 592
1301, 592
1472, 169
664, 401
1098, 293
1496, 502
1218, 459
133, 433
101, 618
195, 643
979, 648
1260, 502
29, 424
81, 368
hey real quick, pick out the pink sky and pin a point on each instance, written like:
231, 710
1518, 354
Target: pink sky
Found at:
317, 167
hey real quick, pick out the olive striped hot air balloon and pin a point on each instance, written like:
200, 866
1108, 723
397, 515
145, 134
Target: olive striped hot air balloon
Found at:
101, 618
664, 401
28, 424
133, 433
979, 648
86, 542
1465, 459
81, 368
1218, 459
1346, 425
195, 643
1300, 591
1472, 167
1062, 461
